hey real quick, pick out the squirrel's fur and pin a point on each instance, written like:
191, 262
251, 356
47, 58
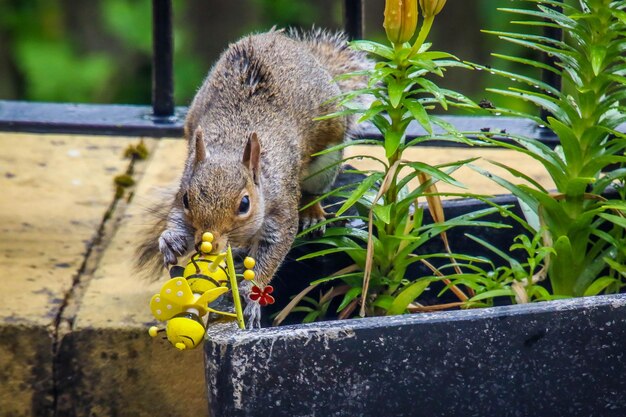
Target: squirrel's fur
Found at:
251, 133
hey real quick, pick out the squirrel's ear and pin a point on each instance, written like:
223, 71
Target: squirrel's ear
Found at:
252, 156
199, 145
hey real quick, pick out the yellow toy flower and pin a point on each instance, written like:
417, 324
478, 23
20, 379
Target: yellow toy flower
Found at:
248, 275
249, 262
206, 246
176, 297
206, 272
184, 300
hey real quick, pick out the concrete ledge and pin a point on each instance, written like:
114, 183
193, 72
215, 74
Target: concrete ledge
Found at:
123, 372
26, 357
73, 316
55, 192
108, 364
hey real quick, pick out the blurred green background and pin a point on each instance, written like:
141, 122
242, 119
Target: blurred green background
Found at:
99, 51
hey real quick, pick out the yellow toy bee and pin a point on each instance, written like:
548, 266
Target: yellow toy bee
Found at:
184, 300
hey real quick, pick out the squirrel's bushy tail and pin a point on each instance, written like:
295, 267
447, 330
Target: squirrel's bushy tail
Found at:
148, 258
333, 52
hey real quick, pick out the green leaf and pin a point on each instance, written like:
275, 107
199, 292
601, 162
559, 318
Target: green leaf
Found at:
599, 285
569, 142
407, 296
538, 151
518, 174
333, 115
344, 145
432, 55
329, 222
373, 48
419, 113
617, 220
302, 309
620, 268
435, 173
381, 123
393, 139
383, 213
433, 89
310, 318
350, 295
521, 78
364, 187
383, 301
531, 215
529, 62
395, 89
370, 113
324, 252
556, 17
513, 188
504, 255
504, 292
598, 53
541, 100
353, 233
345, 277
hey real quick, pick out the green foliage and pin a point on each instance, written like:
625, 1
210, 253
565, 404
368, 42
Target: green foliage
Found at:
577, 237
585, 116
50, 69
119, 32
518, 280
287, 12
130, 21
402, 91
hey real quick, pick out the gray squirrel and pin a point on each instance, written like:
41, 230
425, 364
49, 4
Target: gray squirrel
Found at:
251, 131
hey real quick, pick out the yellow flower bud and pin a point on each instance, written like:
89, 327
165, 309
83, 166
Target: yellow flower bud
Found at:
431, 7
400, 20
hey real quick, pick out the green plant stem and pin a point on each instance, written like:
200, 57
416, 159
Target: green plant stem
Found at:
424, 31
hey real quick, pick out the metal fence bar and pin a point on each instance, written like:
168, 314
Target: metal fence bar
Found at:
550, 78
162, 60
353, 18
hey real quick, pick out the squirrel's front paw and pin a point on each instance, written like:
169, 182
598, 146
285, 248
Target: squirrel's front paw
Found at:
252, 311
172, 245
311, 216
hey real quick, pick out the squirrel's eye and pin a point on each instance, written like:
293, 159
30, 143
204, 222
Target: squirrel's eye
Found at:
186, 201
244, 205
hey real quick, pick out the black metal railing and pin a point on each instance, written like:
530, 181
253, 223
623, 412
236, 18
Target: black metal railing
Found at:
162, 61
164, 119
353, 22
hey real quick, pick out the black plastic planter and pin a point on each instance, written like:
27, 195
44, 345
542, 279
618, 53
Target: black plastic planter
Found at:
560, 358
